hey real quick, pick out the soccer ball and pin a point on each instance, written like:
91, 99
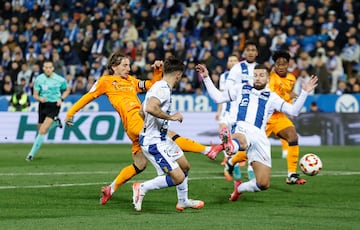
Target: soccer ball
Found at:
310, 164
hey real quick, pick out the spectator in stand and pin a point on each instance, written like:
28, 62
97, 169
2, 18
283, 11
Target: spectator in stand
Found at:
186, 23
59, 64
7, 87
128, 32
25, 73
335, 68
71, 58
302, 77
352, 83
96, 70
319, 68
79, 86
356, 88
314, 108
342, 88
71, 31
264, 51
208, 10
304, 60
35, 72
144, 25
206, 30
4, 34
350, 55
159, 13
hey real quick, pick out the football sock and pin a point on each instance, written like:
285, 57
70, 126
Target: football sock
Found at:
284, 147
124, 175
238, 157
250, 186
236, 145
37, 144
158, 182
250, 171
188, 145
292, 157
182, 190
53, 125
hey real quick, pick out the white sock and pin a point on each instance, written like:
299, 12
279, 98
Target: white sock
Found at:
112, 186
249, 186
182, 191
290, 173
229, 161
155, 183
207, 149
236, 145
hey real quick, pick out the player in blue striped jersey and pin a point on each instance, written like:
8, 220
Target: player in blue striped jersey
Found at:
255, 105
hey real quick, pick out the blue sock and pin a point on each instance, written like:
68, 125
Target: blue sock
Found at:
53, 125
37, 144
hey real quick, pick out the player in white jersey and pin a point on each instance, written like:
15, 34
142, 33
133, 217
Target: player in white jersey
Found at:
164, 154
223, 118
255, 105
243, 72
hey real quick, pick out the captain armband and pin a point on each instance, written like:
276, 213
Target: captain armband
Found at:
141, 85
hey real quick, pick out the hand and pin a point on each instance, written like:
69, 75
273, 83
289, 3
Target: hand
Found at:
202, 70
42, 99
311, 84
158, 64
68, 121
177, 117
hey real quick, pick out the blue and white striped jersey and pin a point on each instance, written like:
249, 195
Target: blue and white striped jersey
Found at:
243, 72
254, 106
155, 129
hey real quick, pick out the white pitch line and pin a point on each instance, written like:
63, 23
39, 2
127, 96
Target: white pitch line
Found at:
339, 173
332, 173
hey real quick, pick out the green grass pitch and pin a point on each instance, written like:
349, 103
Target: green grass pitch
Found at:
60, 189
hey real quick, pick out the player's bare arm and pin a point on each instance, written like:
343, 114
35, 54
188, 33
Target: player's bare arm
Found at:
153, 107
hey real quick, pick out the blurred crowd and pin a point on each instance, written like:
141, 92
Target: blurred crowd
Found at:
322, 37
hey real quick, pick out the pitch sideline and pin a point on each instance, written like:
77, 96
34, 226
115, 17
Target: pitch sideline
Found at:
277, 174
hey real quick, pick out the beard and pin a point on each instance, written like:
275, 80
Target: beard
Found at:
259, 86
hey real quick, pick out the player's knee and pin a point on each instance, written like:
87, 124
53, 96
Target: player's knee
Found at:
293, 143
263, 185
139, 169
241, 140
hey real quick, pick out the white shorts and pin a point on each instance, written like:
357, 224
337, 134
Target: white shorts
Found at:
163, 155
259, 145
225, 119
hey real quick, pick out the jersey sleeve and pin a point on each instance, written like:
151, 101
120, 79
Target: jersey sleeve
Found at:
96, 90
37, 86
63, 85
233, 73
290, 109
162, 94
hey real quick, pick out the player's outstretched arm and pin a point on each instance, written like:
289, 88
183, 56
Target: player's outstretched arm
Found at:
310, 85
294, 110
214, 93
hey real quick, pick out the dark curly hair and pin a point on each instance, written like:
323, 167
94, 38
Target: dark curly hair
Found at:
281, 54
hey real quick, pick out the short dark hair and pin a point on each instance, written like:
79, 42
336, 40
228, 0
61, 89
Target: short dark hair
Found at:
250, 43
281, 54
173, 64
262, 66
